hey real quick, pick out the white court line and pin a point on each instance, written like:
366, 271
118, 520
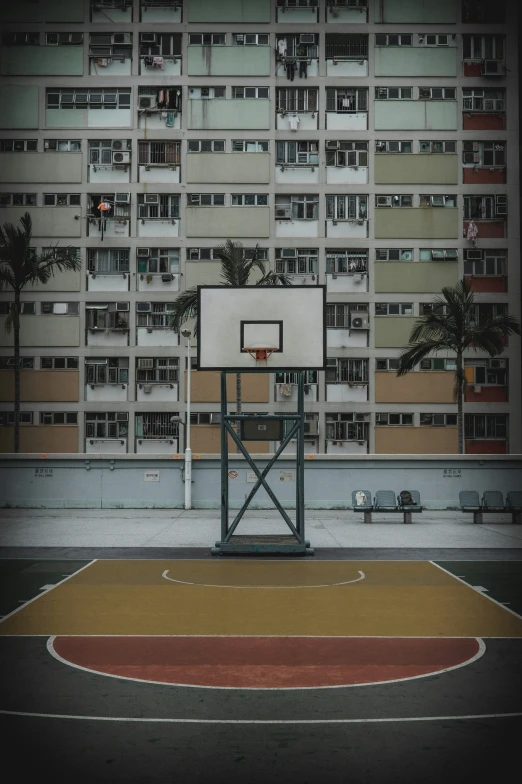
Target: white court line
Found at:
262, 721
211, 585
50, 648
34, 599
474, 588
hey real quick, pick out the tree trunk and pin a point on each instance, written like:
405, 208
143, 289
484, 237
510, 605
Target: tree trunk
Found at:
460, 407
238, 404
16, 329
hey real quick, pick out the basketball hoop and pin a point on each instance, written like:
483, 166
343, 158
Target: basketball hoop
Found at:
260, 353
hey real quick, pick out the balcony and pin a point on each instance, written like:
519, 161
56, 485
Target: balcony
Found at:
156, 392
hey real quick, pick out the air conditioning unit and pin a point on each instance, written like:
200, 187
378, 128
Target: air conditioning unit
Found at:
122, 417
493, 68
148, 38
143, 253
145, 101
282, 213
167, 277
382, 92
307, 38
359, 322
119, 144
471, 157
146, 363
380, 146
330, 145
384, 201
472, 255
498, 363
143, 307
215, 419
194, 253
194, 198
121, 38
424, 92
151, 198
51, 39
121, 157
501, 205
122, 306
205, 92
311, 428
122, 198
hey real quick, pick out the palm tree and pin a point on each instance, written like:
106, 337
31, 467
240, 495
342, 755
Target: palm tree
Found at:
236, 269
450, 327
21, 266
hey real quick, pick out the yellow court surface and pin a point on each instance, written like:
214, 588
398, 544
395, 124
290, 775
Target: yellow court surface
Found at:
278, 598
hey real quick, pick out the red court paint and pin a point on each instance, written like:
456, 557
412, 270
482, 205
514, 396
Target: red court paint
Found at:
265, 662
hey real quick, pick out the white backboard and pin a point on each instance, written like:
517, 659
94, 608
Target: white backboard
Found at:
289, 319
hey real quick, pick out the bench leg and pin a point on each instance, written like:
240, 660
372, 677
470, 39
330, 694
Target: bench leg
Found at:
367, 516
407, 517
516, 517
477, 517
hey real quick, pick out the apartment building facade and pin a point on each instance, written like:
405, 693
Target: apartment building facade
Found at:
352, 141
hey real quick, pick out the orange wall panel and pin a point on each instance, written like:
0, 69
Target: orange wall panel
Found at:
41, 386
205, 387
430, 386
48, 439
206, 439
402, 440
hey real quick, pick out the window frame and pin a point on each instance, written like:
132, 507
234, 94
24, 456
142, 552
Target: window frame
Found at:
199, 142
352, 207
403, 309
383, 419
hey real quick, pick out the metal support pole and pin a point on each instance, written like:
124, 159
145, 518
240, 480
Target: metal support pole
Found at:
300, 460
188, 451
224, 459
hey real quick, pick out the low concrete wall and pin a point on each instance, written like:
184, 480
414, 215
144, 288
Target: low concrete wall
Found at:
135, 481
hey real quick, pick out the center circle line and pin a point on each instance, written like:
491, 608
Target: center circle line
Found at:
262, 587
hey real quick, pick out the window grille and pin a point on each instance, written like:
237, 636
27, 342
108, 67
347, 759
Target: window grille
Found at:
106, 425
346, 100
164, 370
159, 153
342, 370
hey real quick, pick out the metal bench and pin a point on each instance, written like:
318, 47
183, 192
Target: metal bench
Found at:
408, 509
362, 501
385, 502
470, 502
492, 503
514, 505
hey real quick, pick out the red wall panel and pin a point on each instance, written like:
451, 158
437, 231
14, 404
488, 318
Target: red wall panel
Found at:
489, 394
482, 121
488, 229
486, 447
485, 283
473, 69
483, 176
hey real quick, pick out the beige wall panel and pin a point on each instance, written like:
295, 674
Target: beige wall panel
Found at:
393, 331
416, 441
417, 387
43, 439
206, 439
416, 223
41, 167
69, 280
248, 167
44, 331
228, 222
422, 168
423, 277
54, 222
205, 387
44, 386
202, 273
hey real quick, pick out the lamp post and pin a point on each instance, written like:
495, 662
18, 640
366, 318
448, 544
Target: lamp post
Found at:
188, 453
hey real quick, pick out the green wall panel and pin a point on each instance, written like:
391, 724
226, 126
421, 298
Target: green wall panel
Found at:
415, 61
210, 11
19, 106
411, 11
429, 169
42, 61
415, 115
21, 11
248, 113
229, 60
393, 331
415, 277
416, 223
63, 10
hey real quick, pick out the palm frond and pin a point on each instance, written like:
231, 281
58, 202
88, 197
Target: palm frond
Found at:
9, 321
418, 350
185, 308
274, 279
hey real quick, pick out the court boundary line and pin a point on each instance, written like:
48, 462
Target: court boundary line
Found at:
481, 593
362, 576
481, 651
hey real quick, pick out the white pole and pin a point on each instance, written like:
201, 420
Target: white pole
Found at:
188, 452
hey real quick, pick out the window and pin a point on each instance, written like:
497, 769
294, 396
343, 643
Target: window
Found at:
486, 426
154, 315
433, 40
63, 145
250, 39
492, 372
438, 254
108, 261
344, 207
88, 98
393, 254
429, 146
427, 200
393, 39
59, 363
158, 206
394, 309
110, 45
206, 145
158, 260
485, 311
293, 378
7, 418
393, 93
438, 420
393, 419
392, 146
8, 363
484, 11
102, 151
347, 427
18, 145
64, 39
21, 39
426, 308
106, 425
58, 418
206, 92
297, 153
303, 46
296, 99
341, 370
485, 207
160, 44
240, 145
205, 199
340, 153
250, 92
61, 199
157, 425
483, 47
157, 370
484, 154
485, 262
102, 315
107, 370
26, 308
341, 261
249, 200
437, 93
477, 100
299, 207
346, 100
300, 261
343, 45
60, 308
17, 199
208, 254
437, 363
338, 316
391, 363
207, 39
159, 153
401, 200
